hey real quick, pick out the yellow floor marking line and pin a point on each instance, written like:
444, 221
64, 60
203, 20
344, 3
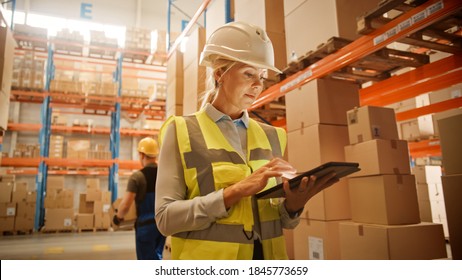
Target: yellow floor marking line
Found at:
54, 250
100, 248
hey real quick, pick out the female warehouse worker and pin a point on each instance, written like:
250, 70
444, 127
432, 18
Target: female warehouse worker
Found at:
211, 163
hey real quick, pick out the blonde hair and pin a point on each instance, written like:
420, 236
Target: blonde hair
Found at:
218, 64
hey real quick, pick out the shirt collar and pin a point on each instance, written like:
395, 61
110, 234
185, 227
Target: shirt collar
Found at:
217, 115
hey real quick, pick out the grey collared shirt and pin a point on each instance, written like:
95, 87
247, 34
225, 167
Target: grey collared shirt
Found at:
174, 213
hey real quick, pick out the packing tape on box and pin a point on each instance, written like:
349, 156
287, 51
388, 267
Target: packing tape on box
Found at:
360, 138
360, 230
396, 170
394, 144
399, 179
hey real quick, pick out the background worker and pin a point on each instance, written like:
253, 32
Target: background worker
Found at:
213, 162
141, 189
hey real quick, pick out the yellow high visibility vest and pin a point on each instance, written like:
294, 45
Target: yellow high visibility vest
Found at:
210, 163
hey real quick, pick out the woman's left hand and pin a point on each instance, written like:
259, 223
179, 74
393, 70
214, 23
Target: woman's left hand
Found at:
296, 198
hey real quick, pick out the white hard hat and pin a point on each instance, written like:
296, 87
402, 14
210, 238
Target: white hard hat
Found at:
242, 42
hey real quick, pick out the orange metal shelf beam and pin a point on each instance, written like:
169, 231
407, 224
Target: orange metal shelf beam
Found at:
434, 76
433, 108
66, 162
129, 164
80, 129
406, 24
425, 148
20, 162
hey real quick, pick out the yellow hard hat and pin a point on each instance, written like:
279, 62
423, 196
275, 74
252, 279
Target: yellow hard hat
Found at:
242, 42
148, 146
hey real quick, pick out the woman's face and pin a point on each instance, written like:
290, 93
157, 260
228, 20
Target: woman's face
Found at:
239, 88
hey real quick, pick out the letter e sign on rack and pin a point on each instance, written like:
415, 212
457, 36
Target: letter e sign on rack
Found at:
85, 10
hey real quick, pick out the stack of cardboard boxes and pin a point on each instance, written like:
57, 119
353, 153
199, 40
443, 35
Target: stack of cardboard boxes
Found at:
138, 39
28, 72
22, 150
451, 139
78, 148
94, 206
59, 205
25, 207
7, 45
17, 205
105, 47
175, 84
194, 74
430, 195
317, 133
68, 42
268, 15
384, 209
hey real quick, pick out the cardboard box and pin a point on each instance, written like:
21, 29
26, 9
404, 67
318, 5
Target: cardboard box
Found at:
23, 224
101, 207
427, 174
175, 67
7, 209
312, 146
85, 207
20, 192
330, 204
78, 148
31, 197
369, 123
443, 115
452, 189
65, 198
450, 139
317, 240
424, 241
384, 199
425, 211
25, 210
194, 87
379, 157
322, 101
103, 221
289, 238
93, 183
55, 183
194, 47
93, 195
131, 214
84, 221
106, 197
6, 189
59, 219
6, 224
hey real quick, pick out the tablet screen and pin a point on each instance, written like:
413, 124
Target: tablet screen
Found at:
341, 169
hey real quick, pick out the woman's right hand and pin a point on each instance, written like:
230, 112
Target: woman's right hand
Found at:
256, 181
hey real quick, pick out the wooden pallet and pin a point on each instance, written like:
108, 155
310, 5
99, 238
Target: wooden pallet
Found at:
45, 230
375, 19
374, 67
443, 35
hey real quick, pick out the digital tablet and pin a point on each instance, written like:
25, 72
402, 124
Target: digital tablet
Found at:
341, 169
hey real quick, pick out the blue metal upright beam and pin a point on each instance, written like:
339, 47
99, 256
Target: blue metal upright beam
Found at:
228, 16
44, 141
115, 134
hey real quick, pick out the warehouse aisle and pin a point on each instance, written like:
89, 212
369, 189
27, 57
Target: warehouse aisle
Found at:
105, 245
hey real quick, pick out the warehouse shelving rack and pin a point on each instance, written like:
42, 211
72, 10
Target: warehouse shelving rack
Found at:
437, 75
105, 105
